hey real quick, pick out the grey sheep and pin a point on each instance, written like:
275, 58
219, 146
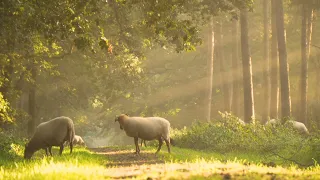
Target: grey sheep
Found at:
149, 128
51, 133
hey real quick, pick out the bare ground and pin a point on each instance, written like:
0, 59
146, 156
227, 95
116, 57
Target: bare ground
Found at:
123, 164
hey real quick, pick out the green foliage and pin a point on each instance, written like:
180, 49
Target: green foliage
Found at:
10, 147
228, 135
4, 110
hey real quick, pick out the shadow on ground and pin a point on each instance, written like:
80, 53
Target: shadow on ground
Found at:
123, 157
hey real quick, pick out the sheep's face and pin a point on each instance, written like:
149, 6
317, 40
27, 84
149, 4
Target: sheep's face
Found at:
120, 119
28, 152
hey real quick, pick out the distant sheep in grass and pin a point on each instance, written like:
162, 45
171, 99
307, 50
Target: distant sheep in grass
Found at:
51, 133
77, 140
272, 122
241, 121
149, 128
299, 126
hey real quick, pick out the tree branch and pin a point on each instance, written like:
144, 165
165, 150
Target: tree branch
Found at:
315, 46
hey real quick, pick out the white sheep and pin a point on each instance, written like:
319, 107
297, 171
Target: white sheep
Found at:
241, 121
272, 122
299, 126
77, 140
51, 133
149, 128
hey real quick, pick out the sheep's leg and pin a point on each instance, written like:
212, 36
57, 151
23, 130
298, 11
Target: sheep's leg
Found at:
136, 139
50, 148
61, 149
160, 144
71, 146
168, 144
144, 142
46, 150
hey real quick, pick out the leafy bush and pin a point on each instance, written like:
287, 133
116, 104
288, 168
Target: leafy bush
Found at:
227, 134
10, 147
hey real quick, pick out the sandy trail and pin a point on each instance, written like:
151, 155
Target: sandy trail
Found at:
123, 163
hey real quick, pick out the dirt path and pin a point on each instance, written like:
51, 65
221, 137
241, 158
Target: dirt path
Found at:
124, 157
123, 164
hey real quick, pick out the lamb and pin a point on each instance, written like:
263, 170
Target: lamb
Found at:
299, 126
149, 128
77, 140
51, 133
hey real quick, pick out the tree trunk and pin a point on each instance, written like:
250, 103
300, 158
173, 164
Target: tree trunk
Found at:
306, 31
247, 69
284, 66
210, 69
274, 64
236, 72
32, 123
265, 113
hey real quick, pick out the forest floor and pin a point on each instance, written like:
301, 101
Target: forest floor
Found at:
123, 163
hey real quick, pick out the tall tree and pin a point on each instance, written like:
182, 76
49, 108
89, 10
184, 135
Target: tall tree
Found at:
210, 68
267, 97
236, 69
306, 32
247, 68
284, 66
274, 65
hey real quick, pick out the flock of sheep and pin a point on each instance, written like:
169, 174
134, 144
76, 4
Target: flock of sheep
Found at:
60, 132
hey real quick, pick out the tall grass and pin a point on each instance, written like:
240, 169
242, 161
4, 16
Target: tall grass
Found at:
81, 164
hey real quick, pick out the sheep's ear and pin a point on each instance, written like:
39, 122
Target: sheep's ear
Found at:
126, 114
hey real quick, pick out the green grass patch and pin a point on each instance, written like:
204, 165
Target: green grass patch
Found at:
81, 164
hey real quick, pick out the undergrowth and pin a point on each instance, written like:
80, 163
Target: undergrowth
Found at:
227, 135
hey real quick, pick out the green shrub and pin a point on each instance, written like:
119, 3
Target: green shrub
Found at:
10, 147
228, 135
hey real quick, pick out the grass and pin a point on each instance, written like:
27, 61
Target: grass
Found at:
81, 164
181, 163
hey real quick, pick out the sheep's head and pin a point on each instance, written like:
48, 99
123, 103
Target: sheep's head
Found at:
120, 119
28, 151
